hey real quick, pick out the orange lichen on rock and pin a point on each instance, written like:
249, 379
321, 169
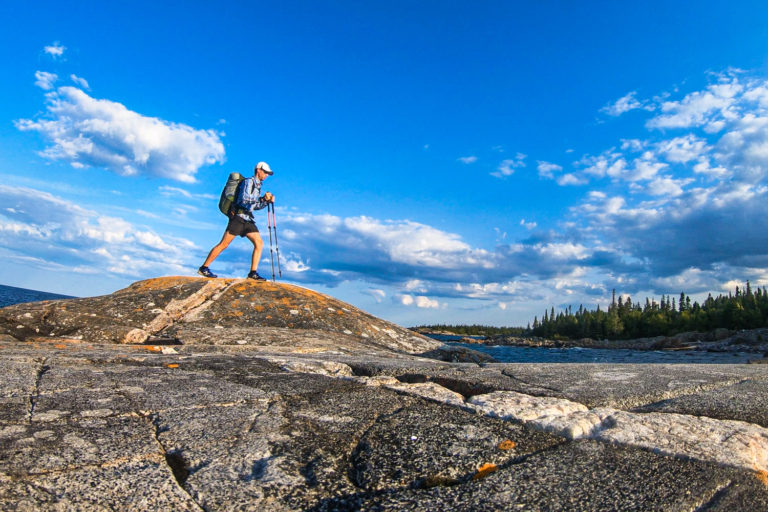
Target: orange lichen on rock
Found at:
172, 365
762, 475
507, 445
153, 348
485, 470
42, 339
160, 283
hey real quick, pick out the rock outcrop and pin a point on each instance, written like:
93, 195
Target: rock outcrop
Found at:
190, 394
192, 311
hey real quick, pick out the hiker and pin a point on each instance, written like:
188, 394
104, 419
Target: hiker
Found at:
241, 223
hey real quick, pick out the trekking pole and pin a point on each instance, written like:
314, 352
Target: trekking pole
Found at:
271, 255
277, 247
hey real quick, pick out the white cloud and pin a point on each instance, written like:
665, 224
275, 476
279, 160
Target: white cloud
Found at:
55, 231
547, 169
415, 285
85, 131
666, 186
45, 80
633, 145
82, 82
468, 159
291, 264
55, 50
625, 104
570, 179
411, 242
609, 163
378, 294
683, 149
419, 301
697, 107
645, 168
507, 167
527, 225
704, 166
169, 191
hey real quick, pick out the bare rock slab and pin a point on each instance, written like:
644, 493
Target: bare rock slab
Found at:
192, 310
581, 476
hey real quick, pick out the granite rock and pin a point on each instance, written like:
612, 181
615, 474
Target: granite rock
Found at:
241, 398
189, 310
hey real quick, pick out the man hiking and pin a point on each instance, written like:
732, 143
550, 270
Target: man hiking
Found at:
241, 223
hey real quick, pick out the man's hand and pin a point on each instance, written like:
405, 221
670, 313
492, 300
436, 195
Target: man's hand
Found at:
268, 197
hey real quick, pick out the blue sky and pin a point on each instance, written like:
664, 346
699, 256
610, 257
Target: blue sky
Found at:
436, 161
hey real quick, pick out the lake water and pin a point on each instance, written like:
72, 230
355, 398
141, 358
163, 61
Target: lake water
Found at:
511, 354
506, 354
11, 295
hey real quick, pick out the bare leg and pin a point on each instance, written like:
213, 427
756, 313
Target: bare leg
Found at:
258, 245
225, 241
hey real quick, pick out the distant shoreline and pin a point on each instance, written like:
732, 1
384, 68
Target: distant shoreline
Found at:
719, 340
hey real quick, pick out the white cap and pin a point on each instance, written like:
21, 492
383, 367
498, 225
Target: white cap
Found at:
264, 166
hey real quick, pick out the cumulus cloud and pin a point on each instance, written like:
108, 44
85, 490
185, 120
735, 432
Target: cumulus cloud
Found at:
468, 159
51, 230
45, 80
86, 132
571, 179
724, 134
82, 82
697, 108
547, 169
55, 50
609, 163
666, 186
419, 301
507, 167
625, 104
683, 149
419, 260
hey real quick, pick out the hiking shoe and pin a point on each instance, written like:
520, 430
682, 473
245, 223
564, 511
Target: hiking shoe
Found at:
205, 272
255, 276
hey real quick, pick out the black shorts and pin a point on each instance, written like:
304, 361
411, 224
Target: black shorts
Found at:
239, 227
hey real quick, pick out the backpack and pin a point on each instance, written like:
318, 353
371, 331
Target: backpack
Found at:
228, 194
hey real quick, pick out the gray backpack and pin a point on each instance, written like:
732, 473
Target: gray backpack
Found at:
228, 194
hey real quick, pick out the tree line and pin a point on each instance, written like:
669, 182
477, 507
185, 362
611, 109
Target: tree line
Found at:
625, 319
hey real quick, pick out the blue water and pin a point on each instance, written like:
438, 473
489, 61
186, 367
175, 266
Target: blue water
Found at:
508, 354
11, 295
511, 354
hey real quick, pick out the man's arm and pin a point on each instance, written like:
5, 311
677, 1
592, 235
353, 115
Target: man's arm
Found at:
248, 196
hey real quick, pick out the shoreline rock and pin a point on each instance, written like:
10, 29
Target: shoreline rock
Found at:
719, 340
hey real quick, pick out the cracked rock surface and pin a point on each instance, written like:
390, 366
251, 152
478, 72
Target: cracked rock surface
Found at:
126, 427
310, 417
